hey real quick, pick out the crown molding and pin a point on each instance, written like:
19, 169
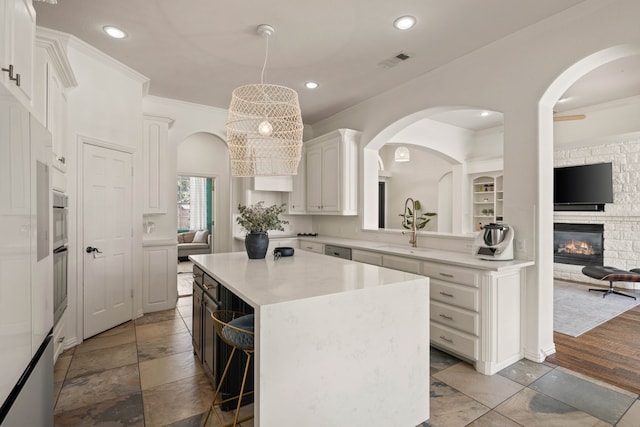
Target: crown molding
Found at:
68, 40
49, 40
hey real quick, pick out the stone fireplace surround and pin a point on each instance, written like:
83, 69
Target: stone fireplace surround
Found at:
621, 219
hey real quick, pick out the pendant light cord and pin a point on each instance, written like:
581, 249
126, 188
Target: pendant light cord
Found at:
264, 65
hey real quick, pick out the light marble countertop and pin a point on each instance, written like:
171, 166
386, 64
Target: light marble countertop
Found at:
347, 342
426, 254
304, 275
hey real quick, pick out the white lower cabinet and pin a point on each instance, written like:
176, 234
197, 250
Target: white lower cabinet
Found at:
316, 247
159, 273
366, 257
410, 265
454, 341
475, 314
59, 337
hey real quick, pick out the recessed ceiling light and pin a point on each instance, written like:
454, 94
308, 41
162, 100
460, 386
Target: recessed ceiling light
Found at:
484, 114
563, 100
404, 22
114, 32
311, 85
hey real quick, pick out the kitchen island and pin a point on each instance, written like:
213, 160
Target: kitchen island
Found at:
337, 342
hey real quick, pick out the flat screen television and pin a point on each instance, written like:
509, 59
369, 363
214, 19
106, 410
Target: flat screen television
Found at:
584, 187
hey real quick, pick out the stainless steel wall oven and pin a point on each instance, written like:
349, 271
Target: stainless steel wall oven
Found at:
60, 254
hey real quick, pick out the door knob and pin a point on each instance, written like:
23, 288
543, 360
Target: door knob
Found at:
91, 249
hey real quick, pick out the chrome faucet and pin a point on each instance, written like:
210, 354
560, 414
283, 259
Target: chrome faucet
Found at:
410, 212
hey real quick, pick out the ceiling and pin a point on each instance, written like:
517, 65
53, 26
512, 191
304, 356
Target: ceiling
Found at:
199, 51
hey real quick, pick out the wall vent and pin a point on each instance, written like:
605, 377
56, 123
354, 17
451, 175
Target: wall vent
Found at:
394, 60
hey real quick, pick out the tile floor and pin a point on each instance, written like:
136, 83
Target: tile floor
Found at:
185, 277
143, 373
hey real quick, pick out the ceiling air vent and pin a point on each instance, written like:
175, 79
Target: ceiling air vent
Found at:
394, 60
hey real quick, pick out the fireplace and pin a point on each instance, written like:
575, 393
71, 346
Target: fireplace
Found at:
578, 244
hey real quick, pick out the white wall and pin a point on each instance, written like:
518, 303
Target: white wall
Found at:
105, 106
513, 76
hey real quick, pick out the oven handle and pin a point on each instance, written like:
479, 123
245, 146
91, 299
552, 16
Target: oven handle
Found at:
60, 250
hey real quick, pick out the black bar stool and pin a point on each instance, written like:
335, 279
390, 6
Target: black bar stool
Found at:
237, 330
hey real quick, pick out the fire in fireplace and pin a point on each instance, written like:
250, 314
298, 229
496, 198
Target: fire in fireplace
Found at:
578, 244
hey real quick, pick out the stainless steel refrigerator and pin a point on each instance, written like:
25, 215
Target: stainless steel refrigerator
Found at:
26, 268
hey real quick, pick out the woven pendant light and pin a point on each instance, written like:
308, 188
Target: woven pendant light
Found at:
264, 127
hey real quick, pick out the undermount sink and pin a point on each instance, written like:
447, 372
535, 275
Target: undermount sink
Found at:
403, 250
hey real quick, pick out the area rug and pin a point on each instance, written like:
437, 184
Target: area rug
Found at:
576, 310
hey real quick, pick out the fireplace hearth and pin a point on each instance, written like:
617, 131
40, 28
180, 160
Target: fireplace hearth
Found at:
578, 244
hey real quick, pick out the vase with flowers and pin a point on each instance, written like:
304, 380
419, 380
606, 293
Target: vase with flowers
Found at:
257, 220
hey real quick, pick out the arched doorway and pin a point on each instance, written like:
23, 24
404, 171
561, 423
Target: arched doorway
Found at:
546, 146
206, 155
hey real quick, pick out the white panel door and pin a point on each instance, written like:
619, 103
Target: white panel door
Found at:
107, 234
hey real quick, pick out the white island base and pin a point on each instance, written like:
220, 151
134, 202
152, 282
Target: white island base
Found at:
337, 342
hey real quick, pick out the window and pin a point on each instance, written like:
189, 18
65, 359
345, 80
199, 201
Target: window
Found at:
194, 203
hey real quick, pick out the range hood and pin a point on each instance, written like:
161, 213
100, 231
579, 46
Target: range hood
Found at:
271, 183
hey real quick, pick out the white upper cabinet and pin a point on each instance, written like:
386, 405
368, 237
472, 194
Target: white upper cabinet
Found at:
298, 196
17, 35
332, 173
52, 76
154, 148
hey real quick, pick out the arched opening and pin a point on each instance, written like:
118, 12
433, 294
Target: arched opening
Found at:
542, 317
452, 141
205, 155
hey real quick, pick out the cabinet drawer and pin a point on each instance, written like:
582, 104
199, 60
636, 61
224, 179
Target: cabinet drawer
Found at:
458, 342
312, 246
209, 284
457, 318
458, 295
198, 275
366, 257
464, 276
337, 251
399, 263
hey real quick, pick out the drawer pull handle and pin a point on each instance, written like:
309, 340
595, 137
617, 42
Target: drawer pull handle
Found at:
443, 338
444, 316
447, 275
446, 294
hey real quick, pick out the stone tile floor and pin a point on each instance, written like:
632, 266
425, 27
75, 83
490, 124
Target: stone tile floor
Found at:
185, 278
143, 373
